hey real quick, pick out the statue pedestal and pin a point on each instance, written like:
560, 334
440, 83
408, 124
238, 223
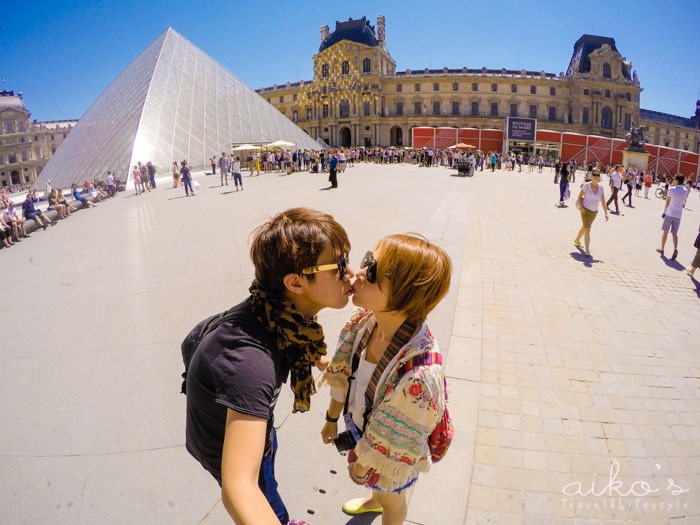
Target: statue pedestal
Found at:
638, 159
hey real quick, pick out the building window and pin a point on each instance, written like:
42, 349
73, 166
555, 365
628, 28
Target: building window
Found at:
475, 86
308, 95
666, 143
494, 87
53, 150
325, 111
399, 88
2, 159
585, 117
309, 113
455, 108
416, 87
12, 158
628, 120
606, 70
533, 90
37, 153
324, 89
366, 65
513, 88
533, 110
513, 110
21, 125
36, 138
552, 113
455, 86
344, 108
294, 97
345, 67
281, 100
366, 108
628, 97
668, 132
606, 117
399, 108
607, 93
494, 109
21, 139
417, 108
8, 127
436, 87
436, 107
552, 91
475, 109
295, 115
324, 70
585, 91
52, 137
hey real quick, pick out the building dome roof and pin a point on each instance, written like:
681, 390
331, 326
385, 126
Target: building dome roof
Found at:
9, 100
359, 31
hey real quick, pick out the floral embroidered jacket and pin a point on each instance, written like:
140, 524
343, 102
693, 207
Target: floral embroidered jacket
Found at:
405, 411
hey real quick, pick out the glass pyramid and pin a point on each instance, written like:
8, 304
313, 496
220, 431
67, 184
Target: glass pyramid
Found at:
173, 102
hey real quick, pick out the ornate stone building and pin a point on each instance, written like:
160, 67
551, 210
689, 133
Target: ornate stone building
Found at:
358, 98
25, 146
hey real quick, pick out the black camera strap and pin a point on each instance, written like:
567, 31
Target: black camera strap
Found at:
398, 341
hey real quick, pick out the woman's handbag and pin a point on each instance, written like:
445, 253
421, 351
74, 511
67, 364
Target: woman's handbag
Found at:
441, 436
697, 242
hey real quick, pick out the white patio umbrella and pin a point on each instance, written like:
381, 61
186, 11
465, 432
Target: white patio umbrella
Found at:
244, 147
282, 144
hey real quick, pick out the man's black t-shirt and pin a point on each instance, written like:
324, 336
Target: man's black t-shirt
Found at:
237, 366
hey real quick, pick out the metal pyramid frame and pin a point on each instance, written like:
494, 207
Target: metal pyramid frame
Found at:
173, 102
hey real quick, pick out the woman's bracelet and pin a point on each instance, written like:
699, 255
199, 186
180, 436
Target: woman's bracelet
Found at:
331, 419
359, 480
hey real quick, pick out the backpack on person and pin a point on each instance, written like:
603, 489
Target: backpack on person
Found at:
441, 436
200, 331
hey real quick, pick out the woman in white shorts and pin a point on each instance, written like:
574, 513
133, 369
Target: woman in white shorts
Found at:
588, 198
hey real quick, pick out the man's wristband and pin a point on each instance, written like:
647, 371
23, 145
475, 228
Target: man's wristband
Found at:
331, 419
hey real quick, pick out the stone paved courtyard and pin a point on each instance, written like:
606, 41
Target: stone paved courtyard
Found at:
573, 382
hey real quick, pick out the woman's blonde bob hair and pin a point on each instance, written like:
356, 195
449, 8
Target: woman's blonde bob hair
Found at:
417, 272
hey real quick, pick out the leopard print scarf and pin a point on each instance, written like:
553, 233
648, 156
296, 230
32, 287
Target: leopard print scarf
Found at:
293, 333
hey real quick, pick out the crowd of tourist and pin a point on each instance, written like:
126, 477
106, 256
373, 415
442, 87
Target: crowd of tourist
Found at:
14, 218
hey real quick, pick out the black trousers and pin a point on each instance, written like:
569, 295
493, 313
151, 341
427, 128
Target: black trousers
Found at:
333, 177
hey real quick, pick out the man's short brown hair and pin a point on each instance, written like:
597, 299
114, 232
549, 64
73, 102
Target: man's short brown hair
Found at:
417, 272
293, 240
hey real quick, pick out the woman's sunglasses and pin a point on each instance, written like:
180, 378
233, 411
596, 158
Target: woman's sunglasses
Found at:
341, 266
369, 262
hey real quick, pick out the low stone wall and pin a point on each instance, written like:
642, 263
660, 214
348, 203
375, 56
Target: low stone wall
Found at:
31, 225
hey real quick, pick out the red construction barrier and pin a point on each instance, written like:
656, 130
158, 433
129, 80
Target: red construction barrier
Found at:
445, 137
491, 140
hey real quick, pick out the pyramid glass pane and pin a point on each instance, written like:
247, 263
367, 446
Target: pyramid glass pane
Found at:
173, 102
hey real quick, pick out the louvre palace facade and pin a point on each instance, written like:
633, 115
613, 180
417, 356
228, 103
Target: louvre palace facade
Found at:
25, 146
357, 98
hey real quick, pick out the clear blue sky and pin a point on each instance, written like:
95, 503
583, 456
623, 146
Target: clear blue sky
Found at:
63, 54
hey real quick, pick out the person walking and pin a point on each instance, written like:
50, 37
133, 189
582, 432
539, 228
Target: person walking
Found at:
590, 195
136, 175
647, 184
176, 174
213, 164
224, 165
628, 179
563, 184
236, 171
675, 201
690, 270
186, 178
151, 174
387, 374
333, 169
615, 187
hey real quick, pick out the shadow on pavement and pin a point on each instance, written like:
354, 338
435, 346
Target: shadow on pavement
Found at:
582, 258
673, 264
